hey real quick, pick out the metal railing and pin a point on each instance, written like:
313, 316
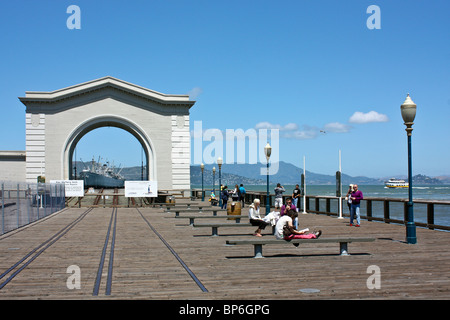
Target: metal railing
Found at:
431, 214
23, 203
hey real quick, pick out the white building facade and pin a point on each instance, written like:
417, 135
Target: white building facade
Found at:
57, 120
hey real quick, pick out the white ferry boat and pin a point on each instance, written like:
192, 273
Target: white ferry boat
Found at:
396, 183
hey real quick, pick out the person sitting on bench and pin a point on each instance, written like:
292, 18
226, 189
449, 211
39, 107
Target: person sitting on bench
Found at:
285, 222
255, 218
292, 207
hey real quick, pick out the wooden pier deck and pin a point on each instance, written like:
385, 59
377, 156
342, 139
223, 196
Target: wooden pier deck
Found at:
144, 267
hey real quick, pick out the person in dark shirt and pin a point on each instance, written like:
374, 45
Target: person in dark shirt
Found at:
225, 196
296, 196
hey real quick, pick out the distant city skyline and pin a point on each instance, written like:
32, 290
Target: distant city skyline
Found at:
328, 75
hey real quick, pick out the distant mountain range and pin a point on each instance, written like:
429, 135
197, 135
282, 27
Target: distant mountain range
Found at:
288, 174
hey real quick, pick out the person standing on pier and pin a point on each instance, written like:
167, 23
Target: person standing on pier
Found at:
242, 195
225, 196
236, 194
296, 195
279, 195
356, 197
349, 199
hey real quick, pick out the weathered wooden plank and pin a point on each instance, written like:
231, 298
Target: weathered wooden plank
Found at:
145, 269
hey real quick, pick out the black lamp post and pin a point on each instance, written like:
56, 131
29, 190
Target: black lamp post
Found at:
267, 152
219, 163
202, 166
408, 109
214, 181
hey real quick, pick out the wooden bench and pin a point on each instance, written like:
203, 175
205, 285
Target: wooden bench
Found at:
214, 211
258, 243
215, 226
231, 217
187, 206
195, 208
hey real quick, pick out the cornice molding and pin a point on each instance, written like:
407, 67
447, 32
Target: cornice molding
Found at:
33, 97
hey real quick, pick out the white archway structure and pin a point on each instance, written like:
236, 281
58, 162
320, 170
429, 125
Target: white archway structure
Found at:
57, 120
109, 121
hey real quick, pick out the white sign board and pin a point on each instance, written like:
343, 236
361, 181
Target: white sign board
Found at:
74, 188
141, 188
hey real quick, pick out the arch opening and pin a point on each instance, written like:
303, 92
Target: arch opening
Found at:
118, 149
115, 122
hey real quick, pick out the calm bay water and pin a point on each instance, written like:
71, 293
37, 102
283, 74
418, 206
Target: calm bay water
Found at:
426, 192
429, 192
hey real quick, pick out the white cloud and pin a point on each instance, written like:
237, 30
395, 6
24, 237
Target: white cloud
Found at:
266, 125
195, 92
270, 126
287, 131
337, 127
290, 126
371, 116
307, 132
290, 130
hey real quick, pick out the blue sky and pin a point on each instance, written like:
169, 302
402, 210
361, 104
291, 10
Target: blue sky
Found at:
299, 66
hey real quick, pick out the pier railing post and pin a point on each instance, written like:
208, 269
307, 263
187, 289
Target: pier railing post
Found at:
430, 216
386, 211
405, 212
369, 209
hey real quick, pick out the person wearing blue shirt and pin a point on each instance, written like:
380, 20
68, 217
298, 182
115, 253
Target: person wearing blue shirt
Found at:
242, 194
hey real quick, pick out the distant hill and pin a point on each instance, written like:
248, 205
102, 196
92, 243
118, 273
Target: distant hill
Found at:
287, 174
228, 179
249, 174
443, 179
422, 179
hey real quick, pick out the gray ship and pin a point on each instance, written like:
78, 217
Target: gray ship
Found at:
101, 176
